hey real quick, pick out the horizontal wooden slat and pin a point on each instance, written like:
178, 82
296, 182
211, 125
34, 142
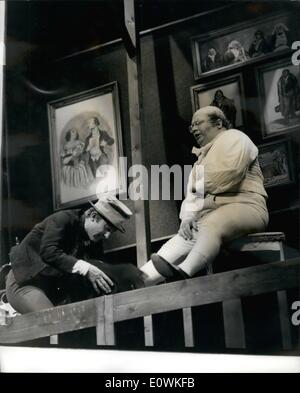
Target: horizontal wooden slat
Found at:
49, 322
266, 236
208, 289
166, 297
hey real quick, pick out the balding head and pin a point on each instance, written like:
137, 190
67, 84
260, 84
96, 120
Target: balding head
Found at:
207, 123
214, 114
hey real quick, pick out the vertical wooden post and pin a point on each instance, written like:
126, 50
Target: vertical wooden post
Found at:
141, 207
285, 324
109, 327
234, 329
105, 320
100, 334
188, 327
54, 340
234, 324
148, 331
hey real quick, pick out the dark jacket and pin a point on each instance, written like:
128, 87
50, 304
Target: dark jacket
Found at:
53, 247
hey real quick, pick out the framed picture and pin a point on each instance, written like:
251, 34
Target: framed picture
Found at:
85, 145
243, 43
227, 94
276, 163
279, 91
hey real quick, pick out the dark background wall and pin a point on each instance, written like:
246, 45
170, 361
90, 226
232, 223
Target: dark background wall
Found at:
167, 77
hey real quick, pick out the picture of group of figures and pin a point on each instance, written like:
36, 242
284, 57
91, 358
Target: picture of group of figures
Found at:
276, 81
271, 36
280, 91
274, 159
83, 158
86, 143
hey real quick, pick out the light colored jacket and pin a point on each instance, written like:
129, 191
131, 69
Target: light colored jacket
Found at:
227, 166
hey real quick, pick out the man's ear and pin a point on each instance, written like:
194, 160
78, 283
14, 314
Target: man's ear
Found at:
219, 123
93, 215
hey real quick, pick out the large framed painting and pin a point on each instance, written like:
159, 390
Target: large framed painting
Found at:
276, 163
242, 43
85, 145
226, 94
279, 91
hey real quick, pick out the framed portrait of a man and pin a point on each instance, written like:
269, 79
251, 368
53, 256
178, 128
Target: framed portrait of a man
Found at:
85, 145
226, 94
276, 163
279, 88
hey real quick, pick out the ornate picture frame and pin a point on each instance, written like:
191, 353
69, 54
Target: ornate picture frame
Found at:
226, 93
276, 163
243, 43
279, 92
85, 145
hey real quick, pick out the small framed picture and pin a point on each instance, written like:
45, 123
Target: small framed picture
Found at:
85, 144
226, 94
279, 91
246, 42
276, 163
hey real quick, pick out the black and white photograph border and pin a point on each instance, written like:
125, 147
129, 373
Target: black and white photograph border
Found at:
105, 360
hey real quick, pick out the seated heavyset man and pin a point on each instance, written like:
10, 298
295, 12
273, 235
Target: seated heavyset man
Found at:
225, 199
58, 261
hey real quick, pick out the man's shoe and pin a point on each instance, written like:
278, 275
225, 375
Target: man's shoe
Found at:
166, 269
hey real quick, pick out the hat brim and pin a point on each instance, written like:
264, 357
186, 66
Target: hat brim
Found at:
118, 227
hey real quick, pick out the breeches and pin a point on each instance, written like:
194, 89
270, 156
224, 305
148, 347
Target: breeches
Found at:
45, 292
220, 225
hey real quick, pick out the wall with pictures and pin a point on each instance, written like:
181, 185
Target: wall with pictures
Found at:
173, 84
249, 92
31, 192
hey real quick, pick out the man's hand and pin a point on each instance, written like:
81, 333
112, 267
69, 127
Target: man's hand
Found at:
99, 280
186, 227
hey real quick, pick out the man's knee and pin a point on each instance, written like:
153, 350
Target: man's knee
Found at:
212, 232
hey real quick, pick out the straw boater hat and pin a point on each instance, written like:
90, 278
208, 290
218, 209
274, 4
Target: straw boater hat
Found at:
112, 211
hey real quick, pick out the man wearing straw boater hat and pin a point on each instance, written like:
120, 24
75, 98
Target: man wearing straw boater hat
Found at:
59, 260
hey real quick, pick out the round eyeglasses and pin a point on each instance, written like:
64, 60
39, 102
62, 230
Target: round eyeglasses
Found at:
195, 124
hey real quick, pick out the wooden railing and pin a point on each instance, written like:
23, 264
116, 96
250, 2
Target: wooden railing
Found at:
103, 312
